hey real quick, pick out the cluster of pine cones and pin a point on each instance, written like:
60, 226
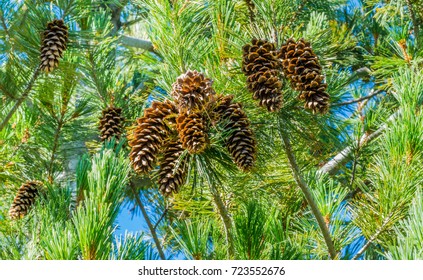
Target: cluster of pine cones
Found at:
262, 63
171, 131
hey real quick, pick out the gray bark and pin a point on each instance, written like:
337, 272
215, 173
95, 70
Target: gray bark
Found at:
332, 166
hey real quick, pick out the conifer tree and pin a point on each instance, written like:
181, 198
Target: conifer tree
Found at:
260, 129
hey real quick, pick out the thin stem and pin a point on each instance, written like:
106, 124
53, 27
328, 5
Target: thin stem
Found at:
250, 6
354, 169
355, 161
21, 99
416, 24
274, 28
307, 193
61, 122
149, 224
376, 92
7, 93
68, 8
227, 223
332, 165
53, 152
131, 22
297, 12
96, 80
161, 217
372, 239
4, 25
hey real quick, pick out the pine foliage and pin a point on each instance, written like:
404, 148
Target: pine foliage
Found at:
274, 129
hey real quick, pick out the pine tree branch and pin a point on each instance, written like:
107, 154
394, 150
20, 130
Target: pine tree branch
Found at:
250, 6
126, 40
7, 93
55, 146
97, 82
67, 89
74, 151
149, 224
307, 193
4, 25
116, 13
373, 238
416, 24
226, 221
297, 12
332, 165
130, 41
17, 148
354, 170
21, 99
161, 217
374, 93
128, 23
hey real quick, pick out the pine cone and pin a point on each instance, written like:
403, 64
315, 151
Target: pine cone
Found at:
173, 168
218, 108
24, 199
260, 64
240, 141
111, 123
149, 134
192, 90
54, 43
192, 129
301, 66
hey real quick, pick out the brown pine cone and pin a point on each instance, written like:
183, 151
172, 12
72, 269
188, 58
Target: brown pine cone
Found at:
261, 66
111, 123
240, 140
173, 168
192, 90
301, 66
24, 199
54, 43
147, 138
222, 104
192, 129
